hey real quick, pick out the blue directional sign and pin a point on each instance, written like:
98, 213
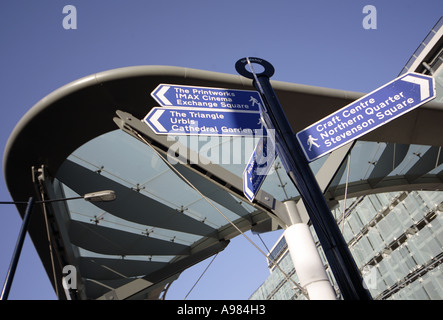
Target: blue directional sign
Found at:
375, 109
168, 95
197, 121
258, 167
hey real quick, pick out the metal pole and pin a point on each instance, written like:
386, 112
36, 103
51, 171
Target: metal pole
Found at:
342, 264
17, 250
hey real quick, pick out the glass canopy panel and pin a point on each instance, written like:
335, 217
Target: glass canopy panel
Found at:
89, 213
134, 166
411, 158
138, 167
107, 236
233, 154
364, 156
130, 164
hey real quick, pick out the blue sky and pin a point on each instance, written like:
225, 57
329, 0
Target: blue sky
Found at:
320, 43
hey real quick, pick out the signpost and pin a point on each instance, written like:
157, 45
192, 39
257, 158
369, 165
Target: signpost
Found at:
198, 121
168, 95
258, 167
375, 109
191, 110
342, 264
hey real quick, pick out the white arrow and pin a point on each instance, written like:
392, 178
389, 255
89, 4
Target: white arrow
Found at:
154, 120
423, 83
161, 96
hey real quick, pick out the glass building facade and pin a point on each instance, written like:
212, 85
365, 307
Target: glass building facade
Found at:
396, 238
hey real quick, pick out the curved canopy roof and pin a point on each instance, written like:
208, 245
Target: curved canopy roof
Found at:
159, 224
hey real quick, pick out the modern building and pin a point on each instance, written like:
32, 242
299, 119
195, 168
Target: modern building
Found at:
180, 198
396, 237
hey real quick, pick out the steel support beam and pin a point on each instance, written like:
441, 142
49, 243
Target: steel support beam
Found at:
143, 285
